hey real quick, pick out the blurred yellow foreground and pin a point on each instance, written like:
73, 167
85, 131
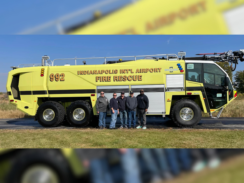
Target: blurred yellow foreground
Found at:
168, 17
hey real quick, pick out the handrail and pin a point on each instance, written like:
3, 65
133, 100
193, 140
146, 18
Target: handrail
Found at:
28, 65
51, 62
105, 58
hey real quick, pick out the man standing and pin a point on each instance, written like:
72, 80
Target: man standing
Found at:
114, 110
122, 110
131, 104
101, 107
142, 108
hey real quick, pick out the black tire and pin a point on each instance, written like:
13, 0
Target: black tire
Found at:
88, 113
175, 113
58, 110
27, 159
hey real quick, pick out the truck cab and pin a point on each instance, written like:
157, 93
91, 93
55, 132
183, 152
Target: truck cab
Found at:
215, 81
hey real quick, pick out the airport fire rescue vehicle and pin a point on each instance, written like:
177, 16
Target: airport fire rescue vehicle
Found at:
177, 87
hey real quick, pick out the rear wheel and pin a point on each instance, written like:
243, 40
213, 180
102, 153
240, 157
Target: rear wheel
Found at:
50, 114
79, 113
186, 113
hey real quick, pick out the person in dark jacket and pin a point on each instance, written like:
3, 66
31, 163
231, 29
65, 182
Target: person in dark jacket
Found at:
131, 104
142, 107
122, 110
102, 107
114, 111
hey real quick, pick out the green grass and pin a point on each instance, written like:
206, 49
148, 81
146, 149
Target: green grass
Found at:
230, 170
94, 138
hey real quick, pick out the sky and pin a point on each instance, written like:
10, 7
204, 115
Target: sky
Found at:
20, 49
17, 16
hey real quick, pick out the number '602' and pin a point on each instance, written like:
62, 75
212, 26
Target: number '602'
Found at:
57, 77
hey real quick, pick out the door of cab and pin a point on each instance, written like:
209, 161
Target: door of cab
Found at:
215, 83
214, 80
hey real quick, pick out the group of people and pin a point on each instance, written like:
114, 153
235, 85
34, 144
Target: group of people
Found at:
125, 107
146, 165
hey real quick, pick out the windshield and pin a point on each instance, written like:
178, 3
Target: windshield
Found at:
213, 75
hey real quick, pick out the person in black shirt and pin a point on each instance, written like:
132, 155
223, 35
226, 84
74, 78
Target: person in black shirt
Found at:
122, 110
142, 107
114, 111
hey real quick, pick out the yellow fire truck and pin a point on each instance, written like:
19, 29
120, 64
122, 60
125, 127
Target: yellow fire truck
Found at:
150, 17
178, 87
169, 17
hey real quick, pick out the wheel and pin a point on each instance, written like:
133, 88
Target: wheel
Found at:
39, 166
50, 114
79, 113
186, 113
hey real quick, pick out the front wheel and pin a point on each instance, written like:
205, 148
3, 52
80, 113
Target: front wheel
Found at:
186, 113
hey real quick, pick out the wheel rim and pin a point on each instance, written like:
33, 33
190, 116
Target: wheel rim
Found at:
186, 114
79, 114
49, 114
39, 174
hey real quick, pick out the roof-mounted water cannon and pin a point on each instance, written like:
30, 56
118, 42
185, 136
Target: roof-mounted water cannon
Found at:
230, 56
44, 59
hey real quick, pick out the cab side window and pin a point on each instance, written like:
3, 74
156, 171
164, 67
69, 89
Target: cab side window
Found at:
194, 71
213, 75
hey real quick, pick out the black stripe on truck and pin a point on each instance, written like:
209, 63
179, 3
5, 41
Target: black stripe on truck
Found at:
148, 89
203, 94
39, 92
44, 92
25, 92
9, 93
70, 91
126, 90
33, 92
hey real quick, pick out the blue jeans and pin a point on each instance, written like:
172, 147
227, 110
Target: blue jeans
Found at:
113, 118
99, 171
160, 156
178, 159
129, 163
102, 119
123, 118
132, 114
148, 158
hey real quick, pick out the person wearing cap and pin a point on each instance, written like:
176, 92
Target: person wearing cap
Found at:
122, 110
131, 104
102, 107
114, 110
142, 107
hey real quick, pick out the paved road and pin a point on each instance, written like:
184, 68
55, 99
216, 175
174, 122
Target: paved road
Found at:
153, 122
